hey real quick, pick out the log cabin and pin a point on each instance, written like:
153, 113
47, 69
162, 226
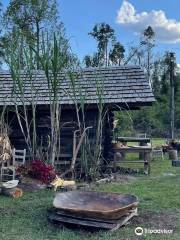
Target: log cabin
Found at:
114, 88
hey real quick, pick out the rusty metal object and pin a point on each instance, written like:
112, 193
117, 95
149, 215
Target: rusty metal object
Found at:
98, 205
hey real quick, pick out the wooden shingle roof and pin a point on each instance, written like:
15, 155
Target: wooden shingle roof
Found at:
115, 85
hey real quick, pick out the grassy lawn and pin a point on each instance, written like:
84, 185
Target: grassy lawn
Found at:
158, 141
159, 197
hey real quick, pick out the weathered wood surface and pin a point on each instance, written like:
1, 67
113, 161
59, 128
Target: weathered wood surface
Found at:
61, 217
12, 192
124, 220
141, 149
80, 221
108, 137
122, 86
134, 149
133, 139
95, 204
142, 142
68, 124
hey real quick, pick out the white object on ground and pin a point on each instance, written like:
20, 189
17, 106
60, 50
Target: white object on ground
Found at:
11, 184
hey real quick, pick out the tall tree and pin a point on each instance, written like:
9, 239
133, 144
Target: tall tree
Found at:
0, 16
148, 41
1, 52
109, 50
31, 17
103, 33
116, 54
142, 54
93, 61
156, 78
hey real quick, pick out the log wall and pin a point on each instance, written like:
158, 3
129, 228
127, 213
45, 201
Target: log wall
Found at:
108, 137
68, 125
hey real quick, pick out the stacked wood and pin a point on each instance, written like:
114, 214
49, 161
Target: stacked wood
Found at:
99, 210
12, 192
60, 217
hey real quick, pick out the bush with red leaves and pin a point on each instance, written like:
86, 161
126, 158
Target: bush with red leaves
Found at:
39, 170
42, 171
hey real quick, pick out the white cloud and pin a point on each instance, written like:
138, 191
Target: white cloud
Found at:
178, 68
166, 30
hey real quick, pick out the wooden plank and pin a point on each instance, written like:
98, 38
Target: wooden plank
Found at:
89, 222
64, 213
146, 150
65, 155
62, 219
133, 139
124, 220
133, 149
62, 162
124, 161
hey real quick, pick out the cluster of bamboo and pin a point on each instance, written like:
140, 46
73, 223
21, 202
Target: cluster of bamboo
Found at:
53, 61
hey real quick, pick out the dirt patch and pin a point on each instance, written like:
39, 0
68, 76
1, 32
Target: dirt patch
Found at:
30, 185
156, 220
124, 178
113, 178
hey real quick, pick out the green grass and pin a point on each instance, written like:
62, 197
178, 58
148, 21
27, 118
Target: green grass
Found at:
158, 141
159, 197
154, 142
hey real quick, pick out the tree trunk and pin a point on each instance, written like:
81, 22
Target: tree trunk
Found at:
106, 54
148, 70
172, 105
37, 43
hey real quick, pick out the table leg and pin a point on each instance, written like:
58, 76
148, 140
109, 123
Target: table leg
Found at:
117, 157
141, 155
147, 166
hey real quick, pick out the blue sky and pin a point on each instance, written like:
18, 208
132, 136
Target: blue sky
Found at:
79, 17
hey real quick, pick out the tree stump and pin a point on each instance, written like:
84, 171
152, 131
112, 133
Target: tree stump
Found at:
12, 192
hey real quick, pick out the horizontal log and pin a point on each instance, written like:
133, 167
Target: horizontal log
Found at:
12, 192
62, 162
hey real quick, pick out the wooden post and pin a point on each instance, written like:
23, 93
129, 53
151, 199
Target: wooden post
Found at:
141, 155
172, 106
108, 137
147, 164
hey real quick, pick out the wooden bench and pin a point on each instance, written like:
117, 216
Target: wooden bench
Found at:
146, 152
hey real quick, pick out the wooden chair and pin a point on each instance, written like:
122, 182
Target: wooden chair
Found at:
18, 158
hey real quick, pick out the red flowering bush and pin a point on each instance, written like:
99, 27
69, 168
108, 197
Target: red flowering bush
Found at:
39, 170
42, 171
